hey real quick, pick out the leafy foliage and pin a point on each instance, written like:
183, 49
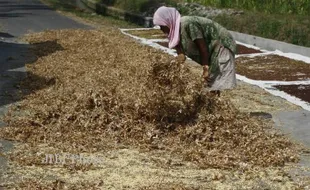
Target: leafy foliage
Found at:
300, 7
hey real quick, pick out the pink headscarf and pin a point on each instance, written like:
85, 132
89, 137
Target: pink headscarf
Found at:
170, 17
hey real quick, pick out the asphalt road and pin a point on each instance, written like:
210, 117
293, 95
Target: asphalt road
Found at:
296, 124
17, 18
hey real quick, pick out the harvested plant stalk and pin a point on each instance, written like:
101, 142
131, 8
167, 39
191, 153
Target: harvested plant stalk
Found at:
92, 88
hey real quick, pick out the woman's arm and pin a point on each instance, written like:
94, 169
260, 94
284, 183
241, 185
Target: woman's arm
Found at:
179, 49
181, 55
203, 51
204, 56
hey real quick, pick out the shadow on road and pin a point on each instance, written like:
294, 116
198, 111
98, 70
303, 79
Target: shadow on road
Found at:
11, 9
13, 58
24, 7
7, 15
5, 35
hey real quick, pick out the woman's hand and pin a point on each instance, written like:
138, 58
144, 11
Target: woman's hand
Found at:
181, 58
205, 72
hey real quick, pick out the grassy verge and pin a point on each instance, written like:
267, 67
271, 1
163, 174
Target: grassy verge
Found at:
69, 6
290, 27
293, 29
296, 7
137, 6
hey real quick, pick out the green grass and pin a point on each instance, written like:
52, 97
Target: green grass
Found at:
70, 6
283, 20
294, 7
293, 29
265, 18
137, 6
290, 28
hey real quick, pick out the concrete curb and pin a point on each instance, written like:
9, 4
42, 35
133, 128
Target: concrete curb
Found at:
263, 43
271, 45
103, 9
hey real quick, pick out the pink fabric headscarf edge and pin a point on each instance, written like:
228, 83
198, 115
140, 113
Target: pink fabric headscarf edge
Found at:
170, 17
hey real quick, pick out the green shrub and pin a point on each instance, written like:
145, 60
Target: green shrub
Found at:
138, 6
290, 28
301, 7
268, 20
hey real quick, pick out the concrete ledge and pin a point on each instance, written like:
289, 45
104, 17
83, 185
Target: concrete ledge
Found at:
103, 9
260, 42
270, 45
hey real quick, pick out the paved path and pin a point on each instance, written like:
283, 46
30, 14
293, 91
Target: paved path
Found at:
19, 17
296, 124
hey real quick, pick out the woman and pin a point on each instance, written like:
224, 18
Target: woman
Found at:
204, 41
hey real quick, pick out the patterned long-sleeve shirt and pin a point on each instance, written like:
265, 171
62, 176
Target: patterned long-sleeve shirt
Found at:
214, 35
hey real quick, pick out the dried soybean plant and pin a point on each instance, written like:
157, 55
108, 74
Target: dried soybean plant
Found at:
108, 90
30, 184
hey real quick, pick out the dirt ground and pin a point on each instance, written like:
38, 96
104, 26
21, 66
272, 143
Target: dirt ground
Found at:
128, 167
272, 67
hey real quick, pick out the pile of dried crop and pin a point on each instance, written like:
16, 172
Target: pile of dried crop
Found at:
31, 184
93, 89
